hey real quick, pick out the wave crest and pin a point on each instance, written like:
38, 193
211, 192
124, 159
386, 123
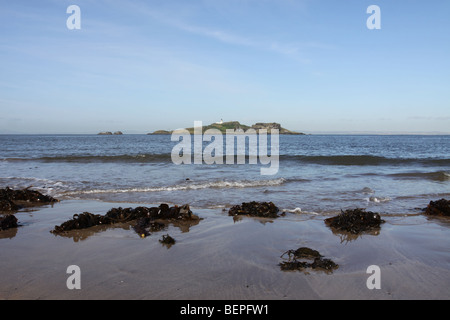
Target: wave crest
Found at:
188, 186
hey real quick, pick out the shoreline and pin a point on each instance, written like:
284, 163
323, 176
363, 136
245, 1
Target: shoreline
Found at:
220, 258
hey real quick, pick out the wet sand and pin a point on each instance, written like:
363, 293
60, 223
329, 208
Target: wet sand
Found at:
220, 259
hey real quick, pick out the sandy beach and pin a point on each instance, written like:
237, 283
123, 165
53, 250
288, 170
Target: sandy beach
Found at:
224, 151
220, 258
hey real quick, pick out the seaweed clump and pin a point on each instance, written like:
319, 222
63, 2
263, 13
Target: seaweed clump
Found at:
11, 199
355, 221
25, 195
167, 240
144, 226
8, 205
148, 219
302, 252
82, 221
8, 222
314, 260
255, 209
438, 208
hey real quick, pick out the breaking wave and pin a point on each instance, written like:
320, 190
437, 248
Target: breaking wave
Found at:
188, 186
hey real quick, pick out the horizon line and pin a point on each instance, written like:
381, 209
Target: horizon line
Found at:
393, 133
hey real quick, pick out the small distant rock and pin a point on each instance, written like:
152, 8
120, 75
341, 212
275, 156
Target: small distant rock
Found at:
109, 133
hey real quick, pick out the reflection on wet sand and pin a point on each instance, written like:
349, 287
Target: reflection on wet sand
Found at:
346, 236
8, 234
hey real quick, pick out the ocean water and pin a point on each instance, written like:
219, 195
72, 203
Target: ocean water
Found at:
316, 173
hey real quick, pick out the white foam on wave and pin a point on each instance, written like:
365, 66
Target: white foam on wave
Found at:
296, 210
45, 186
189, 186
378, 199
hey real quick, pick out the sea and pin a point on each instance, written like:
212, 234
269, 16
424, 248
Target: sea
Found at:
316, 174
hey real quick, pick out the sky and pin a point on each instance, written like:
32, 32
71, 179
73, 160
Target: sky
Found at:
139, 66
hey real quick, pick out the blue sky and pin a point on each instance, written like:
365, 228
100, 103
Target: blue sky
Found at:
138, 66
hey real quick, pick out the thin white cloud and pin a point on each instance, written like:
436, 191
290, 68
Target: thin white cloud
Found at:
291, 50
218, 35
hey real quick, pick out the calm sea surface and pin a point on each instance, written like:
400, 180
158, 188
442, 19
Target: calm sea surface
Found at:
317, 173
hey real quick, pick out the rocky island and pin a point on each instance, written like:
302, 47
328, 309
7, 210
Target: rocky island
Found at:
238, 127
109, 133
